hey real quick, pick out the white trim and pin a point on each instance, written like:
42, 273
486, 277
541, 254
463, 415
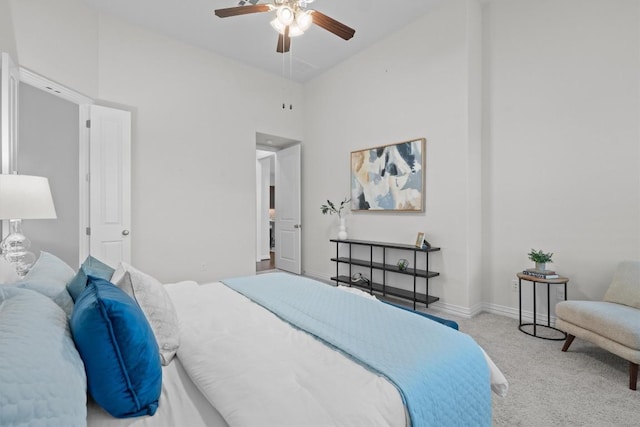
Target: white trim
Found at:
9, 109
457, 310
500, 310
84, 113
9, 82
36, 80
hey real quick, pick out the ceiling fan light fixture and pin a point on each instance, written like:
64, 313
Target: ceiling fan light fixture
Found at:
285, 15
277, 25
292, 18
295, 30
304, 20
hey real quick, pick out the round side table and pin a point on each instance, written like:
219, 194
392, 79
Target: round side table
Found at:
535, 280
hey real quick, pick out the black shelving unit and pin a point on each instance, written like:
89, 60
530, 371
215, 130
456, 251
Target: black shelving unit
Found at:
383, 288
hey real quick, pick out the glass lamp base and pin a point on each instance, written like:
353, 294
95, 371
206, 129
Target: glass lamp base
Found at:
15, 248
21, 261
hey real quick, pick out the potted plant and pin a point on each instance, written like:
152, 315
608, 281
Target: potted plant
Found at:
540, 258
330, 208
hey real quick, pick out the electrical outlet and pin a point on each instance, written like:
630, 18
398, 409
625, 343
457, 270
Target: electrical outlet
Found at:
514, 285
560, 293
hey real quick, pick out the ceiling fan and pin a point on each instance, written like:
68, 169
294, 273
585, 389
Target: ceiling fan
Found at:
292, 18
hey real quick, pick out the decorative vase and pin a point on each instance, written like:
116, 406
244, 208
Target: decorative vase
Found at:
342, 234
541, 266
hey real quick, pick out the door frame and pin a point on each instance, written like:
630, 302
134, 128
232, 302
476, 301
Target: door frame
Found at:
284, 144
84, 104
9, 98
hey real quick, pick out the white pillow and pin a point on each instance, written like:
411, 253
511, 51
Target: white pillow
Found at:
156, 305
8, 272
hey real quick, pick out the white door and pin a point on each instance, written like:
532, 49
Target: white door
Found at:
288, 227
110, 185
9, 83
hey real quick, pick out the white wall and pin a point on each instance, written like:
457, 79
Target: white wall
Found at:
193, 151
410, 85
556, 166
7, 34
561, 142
58, 39
195, 116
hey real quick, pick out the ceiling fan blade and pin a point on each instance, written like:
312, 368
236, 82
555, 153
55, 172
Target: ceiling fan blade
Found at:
331, 25
242, 10
284, 41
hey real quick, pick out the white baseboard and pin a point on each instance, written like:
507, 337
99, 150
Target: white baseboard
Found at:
500, 309
465, 312
456, 310
527, 315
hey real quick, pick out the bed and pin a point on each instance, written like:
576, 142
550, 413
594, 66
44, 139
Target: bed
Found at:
231, 354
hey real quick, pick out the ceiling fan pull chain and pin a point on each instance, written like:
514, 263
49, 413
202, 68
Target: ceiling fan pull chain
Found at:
290, 76
283, 86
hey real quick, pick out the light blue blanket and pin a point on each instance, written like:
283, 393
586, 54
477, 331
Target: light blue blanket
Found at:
441, 373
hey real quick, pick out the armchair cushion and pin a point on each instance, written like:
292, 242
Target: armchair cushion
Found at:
616, 322
625, 286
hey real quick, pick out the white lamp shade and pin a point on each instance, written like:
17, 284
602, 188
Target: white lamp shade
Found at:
25, 197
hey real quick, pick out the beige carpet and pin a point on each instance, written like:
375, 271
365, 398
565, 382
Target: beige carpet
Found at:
586, 386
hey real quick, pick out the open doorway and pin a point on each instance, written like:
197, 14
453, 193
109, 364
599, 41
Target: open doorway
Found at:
277, 237
265, 202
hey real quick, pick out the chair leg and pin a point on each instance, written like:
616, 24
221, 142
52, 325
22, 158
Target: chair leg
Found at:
568, 342
633, 375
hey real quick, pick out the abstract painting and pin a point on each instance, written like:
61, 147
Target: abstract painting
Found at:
388, 178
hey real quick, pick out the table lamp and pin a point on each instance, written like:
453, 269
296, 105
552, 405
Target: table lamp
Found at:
22, 197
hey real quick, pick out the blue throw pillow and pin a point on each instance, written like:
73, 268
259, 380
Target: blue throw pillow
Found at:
90, 266
120, 353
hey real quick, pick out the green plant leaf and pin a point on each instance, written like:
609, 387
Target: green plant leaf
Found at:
540, 256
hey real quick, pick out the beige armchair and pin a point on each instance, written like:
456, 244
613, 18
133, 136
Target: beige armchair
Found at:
612, 324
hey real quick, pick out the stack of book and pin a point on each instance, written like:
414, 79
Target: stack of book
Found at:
541, 274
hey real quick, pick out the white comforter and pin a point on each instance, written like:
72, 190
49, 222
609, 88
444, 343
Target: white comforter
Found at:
259, 371
278, 377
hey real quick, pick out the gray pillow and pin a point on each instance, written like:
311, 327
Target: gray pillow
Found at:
49, 276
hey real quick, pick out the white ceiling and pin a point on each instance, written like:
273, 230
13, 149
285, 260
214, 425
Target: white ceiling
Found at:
251, 40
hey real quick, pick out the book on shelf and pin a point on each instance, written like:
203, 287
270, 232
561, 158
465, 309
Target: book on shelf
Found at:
541, 274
